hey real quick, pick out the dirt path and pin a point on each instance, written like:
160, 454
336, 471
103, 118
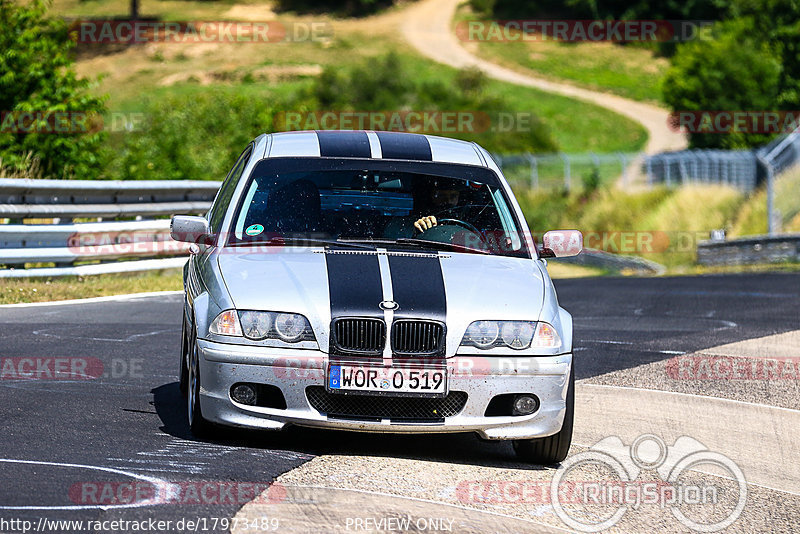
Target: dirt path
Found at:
427, 28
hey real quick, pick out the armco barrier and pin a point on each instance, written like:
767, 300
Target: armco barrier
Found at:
66, 243
750, 250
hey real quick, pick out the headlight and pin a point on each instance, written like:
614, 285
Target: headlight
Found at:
288, 327
482, 334
517, 335
226, 324
256, 325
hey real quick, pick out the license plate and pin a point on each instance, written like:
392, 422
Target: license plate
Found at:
387, 380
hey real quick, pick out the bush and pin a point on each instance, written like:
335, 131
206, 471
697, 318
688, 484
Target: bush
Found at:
195, 138
616, 9
389, 83
36, 75
338, 7
198, 135
733, 72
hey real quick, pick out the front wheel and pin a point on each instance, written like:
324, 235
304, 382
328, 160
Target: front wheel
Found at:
199, 426
183, 383
551, 449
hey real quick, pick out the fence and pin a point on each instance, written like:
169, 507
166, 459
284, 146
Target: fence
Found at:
737, 168
565, 171
743, 169
92, 244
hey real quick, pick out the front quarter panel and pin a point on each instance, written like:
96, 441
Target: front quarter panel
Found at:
554, 314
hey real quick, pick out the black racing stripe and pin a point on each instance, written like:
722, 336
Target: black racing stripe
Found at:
336, 144
354, 284
396, 145
418, 287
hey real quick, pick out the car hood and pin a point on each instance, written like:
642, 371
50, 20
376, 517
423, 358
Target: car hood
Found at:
453, 287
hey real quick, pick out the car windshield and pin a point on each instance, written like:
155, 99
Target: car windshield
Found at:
433, 207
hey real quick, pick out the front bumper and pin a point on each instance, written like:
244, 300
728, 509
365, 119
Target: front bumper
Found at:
481, 378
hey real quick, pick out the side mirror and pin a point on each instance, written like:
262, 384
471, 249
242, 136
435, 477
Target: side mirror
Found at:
190, 229
561, 244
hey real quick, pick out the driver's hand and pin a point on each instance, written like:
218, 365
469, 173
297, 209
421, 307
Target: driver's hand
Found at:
425, 223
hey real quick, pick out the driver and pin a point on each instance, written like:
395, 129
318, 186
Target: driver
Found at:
441, 200
432, 204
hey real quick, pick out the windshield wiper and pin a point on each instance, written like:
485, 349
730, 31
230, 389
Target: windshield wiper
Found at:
419, 243
438, 245
278, 241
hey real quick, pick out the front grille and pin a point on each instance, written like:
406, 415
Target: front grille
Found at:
417, 337
379, 407
359, 335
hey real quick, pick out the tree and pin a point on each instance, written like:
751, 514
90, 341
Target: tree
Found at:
777, 23
46, 108
734, 72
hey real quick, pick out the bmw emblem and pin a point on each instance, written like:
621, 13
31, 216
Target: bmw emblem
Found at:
389, 305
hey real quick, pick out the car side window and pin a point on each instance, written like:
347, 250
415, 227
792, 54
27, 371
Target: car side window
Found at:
217, 213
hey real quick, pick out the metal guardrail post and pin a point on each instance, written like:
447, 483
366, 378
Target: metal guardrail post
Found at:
534, 170
623, 161
771, 230
567, 171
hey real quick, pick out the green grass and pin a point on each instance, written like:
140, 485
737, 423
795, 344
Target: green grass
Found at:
561, 271
14, 291
630, 71
659, 224
171, 10
752, 219
576, 126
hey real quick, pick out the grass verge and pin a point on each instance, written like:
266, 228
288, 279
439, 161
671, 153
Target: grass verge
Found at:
15, 291
630, 71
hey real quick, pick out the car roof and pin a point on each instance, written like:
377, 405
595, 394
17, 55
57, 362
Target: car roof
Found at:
375, 145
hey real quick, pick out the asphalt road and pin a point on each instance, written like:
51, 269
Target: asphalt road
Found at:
88, 436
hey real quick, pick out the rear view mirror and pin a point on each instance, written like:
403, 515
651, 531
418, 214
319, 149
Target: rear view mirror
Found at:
190, 229
561, 244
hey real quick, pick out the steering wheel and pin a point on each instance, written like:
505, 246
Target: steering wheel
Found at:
463, 224
457, 222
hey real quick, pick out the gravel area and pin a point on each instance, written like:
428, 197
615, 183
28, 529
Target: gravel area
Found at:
428, 493
763, 371
357, 490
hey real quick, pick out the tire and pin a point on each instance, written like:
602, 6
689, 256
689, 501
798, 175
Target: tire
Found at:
184, 365
198, 425
551, 449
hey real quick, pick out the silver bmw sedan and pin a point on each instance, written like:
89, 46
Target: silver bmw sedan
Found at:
375, 282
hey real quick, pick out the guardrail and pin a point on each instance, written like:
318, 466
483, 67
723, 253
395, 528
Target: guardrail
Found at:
750, 250
67, 244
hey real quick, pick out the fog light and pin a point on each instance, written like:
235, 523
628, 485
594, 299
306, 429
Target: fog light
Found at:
244, 394
525, 405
